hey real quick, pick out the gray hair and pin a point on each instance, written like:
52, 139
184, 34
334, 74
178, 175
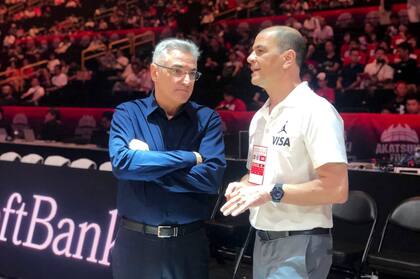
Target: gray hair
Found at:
164, 47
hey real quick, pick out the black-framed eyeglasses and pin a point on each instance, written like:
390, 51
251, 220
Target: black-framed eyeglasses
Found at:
180, 73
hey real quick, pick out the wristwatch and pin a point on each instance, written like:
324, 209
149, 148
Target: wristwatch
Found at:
277, 192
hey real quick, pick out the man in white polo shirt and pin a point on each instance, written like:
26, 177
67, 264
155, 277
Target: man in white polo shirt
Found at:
297, 164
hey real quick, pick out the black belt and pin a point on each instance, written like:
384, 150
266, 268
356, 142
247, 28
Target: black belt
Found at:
270, 235
162, 231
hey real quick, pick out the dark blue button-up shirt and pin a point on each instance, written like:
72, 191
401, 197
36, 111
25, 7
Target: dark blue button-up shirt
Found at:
164, 185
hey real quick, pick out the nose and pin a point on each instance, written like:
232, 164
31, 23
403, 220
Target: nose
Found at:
251, 58
187, 79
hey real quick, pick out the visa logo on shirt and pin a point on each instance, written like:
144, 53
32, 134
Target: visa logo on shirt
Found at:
281, 141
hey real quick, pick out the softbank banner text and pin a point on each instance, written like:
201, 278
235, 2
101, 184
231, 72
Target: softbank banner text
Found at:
34, 222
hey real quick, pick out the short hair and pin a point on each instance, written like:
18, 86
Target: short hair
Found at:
164, 47
405, 46
289, 38
412, 96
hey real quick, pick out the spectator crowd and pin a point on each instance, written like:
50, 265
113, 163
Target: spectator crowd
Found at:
369, 64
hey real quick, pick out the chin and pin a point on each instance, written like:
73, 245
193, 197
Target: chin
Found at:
181, 99
255, 81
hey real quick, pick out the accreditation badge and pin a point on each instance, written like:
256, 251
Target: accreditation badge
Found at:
258, 161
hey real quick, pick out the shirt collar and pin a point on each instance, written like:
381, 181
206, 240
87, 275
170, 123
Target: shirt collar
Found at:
294, 98
152, 106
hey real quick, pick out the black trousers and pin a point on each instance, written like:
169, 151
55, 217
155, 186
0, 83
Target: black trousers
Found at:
136, 256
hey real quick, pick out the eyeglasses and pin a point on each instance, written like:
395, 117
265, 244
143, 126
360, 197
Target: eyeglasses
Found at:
179, 73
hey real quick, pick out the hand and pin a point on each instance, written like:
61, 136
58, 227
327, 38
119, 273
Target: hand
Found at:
198, 158
242, 196
136, 144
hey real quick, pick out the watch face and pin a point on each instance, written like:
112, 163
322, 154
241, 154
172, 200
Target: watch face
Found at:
277, 193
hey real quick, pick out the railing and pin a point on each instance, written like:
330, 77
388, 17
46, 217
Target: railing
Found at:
130, 3
104, 14
65, 24
233, 13
18, 81
16, 8
142, 39
121, 44
19, 7
130, 42
91, 53
34, 3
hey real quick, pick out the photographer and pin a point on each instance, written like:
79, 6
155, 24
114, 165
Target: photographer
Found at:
378, 73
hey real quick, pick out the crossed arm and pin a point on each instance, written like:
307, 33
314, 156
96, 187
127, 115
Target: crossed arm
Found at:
176, 171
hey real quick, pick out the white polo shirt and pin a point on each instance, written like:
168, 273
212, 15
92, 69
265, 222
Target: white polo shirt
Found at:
302, 133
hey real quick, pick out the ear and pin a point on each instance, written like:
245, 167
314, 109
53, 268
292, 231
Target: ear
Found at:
153, 72
289, 58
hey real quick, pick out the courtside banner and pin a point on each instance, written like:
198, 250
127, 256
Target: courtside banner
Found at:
56, 222
388, 137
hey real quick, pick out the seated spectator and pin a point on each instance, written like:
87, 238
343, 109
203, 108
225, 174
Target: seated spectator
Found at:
412, 40
103, 25
7, 95
329, 63
397, 105
52, 62
412, 104
73, 4
400, 37
97, 44
232, 67
128, 70
133, 79
346, 57
59, 78
310, 24
264, 10
349, 75
323, 32
52, 128
405, 68
63, 46
207, 16
379, 73
294, 23
107, 61
230, 102
122, 61
323, 89
100, 135
34, 94
9, 40
413, 11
